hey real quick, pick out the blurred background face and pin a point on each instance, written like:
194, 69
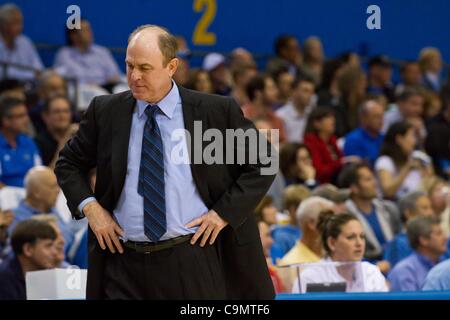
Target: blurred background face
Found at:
41, 254
407, 142
412, 107
303, 93
14, 26
423, 207
439, 198
149, 78
349, 246
284, 85
372, 119
366, 187
270, 93
266, 238
17, 121
48, 189
325, 125
435, 62
83, 37
436, 242
55, 85
203, 83
292, 51
59, 115
303, 157
58, 245
412, 75
381, 74
269, 214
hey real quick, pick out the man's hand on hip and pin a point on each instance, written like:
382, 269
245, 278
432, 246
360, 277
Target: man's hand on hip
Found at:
210, 226
104, 227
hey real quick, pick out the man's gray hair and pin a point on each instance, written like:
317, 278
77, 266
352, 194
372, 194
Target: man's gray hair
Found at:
311, 207
408, 202
6, 11
420, 227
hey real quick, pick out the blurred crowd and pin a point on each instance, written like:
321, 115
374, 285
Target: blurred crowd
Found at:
364, 162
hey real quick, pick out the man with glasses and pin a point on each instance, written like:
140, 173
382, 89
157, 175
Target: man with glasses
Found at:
18, 152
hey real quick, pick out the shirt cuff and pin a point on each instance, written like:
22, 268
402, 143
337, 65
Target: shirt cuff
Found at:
84, 203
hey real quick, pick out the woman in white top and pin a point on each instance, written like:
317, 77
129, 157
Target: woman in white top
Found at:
398, 170
343, 239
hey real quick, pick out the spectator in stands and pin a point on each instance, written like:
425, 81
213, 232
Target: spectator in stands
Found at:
6, 218
439, 277
267, 242
397, 170
410, 75
199, 80
12, 88
16, 48
18, 152
365, 141
295, 113
343, 239
328, 93
267, 212
380, 219
352, 83
242, 73
215, 64
321, 141
283, 79
309, 247
313, 58
183, 54
437, 142
409, 108
57, 115
33, 245
49, 84
429, 244
59, 243
86, 61
240, 56
439, 194
331, 192
41, 194
285, 236
380, 74
430, 60
412, 205
262, 92
296, 165
288, 54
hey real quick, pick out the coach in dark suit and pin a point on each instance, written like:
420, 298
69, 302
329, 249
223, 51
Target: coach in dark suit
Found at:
160, 229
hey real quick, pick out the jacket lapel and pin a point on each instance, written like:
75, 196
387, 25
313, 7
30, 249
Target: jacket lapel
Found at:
121, 126
192, 112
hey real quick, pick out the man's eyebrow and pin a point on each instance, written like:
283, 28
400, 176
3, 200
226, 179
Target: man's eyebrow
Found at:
140, 65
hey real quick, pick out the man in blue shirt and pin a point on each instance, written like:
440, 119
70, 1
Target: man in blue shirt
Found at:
16, 48
439, 277
429, 243
413, 204
18, 152
365, 141
33, 249
41, 194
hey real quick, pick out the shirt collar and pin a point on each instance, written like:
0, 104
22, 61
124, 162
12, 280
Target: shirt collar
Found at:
167, 104
424, 260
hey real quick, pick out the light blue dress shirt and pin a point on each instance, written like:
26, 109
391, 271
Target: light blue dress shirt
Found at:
439, 277
183, 202
23, 53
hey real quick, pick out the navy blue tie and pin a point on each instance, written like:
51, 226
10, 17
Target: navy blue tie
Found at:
151, 178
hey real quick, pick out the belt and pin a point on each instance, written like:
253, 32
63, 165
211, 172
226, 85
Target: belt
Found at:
149, 247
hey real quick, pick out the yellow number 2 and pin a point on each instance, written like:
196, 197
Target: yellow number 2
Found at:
201, 36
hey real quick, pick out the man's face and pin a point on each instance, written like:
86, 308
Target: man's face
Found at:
84, 36
59, 116
292, 51
42, 254
149, 78
423, 207
382, 74
412, 107
284, 84
303, 93
48, 190
55, 85
437, 241
14, 26
17, 121
412, 74
373, 117
366, 187
270, 93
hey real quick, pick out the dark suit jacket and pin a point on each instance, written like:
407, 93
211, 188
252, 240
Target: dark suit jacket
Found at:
232, 190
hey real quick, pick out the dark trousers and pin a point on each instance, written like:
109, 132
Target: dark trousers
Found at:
184, 271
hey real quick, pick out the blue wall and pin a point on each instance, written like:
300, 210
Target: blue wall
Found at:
407, 25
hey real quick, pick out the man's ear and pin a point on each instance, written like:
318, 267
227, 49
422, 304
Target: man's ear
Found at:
27, 249
173, 66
